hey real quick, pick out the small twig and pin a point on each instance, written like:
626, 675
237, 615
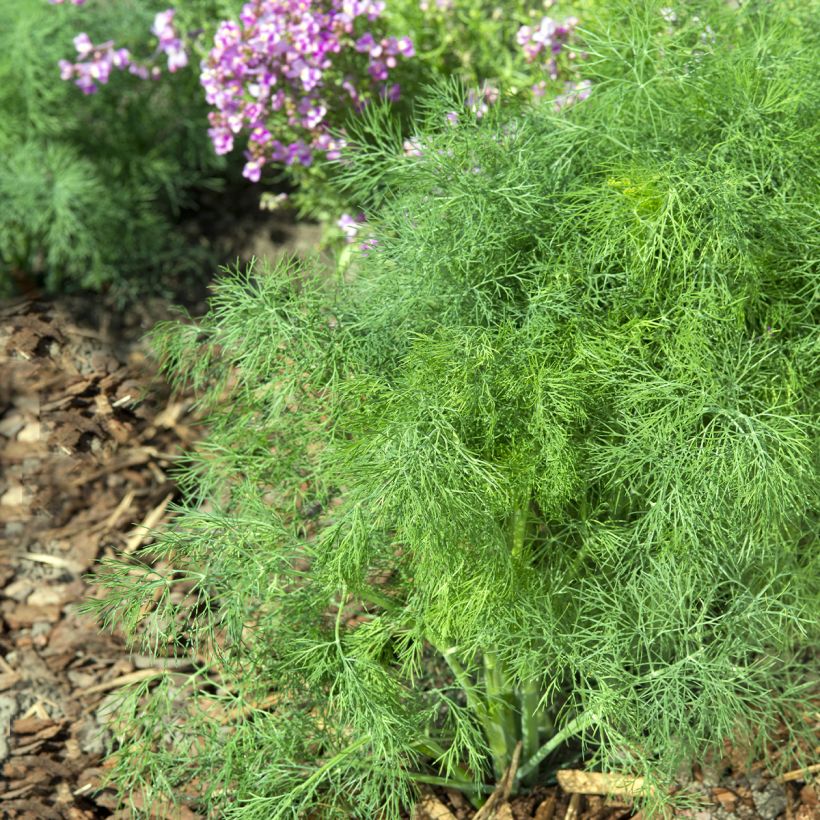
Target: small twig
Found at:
509, 778
123, 680
143, 530
573, 808
798, 774
124, 504
504, 787
51, 560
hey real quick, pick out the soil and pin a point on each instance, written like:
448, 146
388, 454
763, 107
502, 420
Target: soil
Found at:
88, 439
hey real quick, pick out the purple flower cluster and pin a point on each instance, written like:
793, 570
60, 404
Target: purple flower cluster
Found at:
96, 62
295, 63
547, 42
479, 102
574, 92
169, 42
60, 2
550, 37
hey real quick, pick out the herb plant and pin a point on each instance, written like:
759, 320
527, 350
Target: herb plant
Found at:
92, 187
539, 467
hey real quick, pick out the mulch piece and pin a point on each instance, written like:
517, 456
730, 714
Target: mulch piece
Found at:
88, 435
723, 791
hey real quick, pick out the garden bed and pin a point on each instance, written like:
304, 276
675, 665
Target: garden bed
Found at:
90, 435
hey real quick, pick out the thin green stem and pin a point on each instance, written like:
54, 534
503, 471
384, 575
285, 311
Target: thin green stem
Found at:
328, 765
496, 739
469, 786
338, 624
499, 724
530, 699
435, 750
518, 530
573, 727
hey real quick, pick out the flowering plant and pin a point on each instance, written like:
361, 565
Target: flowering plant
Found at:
283, 77
289, 69
95, 62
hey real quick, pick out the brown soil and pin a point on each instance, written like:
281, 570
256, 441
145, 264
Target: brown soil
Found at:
88, 438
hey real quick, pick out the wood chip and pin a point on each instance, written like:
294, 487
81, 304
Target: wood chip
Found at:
23, 615
170, 415
431, 808
504, 812
13, 793
143, 530
574, 807
547, 809
122, 680
577, 781
799, 774
7, 680
725, 797
33, 725
808, 795
132, 458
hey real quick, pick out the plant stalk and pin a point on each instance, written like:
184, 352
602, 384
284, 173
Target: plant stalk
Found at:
573, 727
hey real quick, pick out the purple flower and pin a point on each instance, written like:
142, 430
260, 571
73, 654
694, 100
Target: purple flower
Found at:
253, 170
163, 28
406, 48
365, 44
392, 92
412, 147
169, 42
350, 225
83, 44
549, 35
222, 140
293, 46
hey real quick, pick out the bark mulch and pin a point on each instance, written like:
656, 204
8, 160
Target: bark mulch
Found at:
88, 436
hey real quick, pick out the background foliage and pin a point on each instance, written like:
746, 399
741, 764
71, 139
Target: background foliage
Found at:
92, 187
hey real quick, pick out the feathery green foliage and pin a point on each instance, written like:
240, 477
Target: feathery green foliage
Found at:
92, 186
542, 466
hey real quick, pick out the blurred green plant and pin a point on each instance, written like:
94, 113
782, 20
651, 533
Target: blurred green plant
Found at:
538, 467
92, 188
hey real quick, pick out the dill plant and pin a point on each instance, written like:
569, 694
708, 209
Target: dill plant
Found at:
539, 468
92, 187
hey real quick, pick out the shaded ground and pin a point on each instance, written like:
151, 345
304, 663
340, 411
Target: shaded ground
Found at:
88, 438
